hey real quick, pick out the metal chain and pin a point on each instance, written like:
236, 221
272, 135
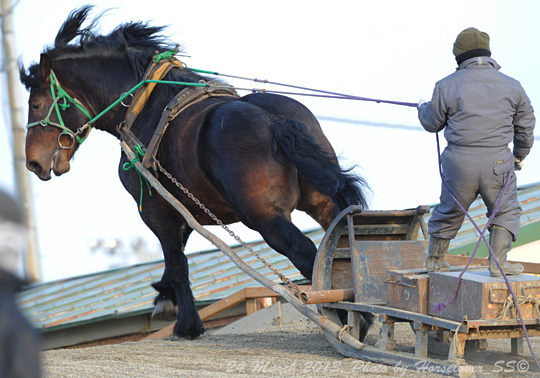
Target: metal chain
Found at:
294, 288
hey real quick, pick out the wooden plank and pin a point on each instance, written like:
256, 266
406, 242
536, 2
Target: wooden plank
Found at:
342, 253
234, 299
378, 229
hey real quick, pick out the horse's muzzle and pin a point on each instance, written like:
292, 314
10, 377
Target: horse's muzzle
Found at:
35, 166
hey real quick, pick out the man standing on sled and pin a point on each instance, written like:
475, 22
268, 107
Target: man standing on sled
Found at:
481, 111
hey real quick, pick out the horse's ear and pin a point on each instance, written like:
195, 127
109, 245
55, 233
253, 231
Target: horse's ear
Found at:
45, 67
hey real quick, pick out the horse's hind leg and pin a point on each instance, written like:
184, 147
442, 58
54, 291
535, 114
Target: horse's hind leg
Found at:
284, 237
317, 206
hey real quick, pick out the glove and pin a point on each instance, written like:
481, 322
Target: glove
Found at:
518, 164
420, 103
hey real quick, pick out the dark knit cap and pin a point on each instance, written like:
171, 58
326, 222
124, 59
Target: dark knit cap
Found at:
470, 43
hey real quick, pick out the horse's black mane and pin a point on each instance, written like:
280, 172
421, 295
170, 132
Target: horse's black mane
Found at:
136, 40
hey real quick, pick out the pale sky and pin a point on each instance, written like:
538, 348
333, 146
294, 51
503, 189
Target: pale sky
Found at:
394, 50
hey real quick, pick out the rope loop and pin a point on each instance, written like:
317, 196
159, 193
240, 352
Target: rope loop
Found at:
345, 329
139, 154
509, 305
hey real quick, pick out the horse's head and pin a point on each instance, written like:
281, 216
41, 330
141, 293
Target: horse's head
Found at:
57, 123
89, 66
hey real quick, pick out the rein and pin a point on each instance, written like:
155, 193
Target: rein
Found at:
58, 94
327, 94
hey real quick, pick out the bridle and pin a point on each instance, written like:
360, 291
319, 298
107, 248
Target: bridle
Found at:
62, 101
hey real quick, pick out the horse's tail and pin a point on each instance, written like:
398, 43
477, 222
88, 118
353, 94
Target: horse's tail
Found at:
319, 167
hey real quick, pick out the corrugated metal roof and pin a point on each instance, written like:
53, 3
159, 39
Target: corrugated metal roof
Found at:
126, 291
122, 291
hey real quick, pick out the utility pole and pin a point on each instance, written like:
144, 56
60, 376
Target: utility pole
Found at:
32, 264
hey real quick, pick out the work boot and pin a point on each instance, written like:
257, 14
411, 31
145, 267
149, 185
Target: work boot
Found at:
500, 240
437, 249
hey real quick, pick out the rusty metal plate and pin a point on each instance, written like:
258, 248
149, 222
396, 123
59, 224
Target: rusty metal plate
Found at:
372, 259
482, 297
341, 276
408, 290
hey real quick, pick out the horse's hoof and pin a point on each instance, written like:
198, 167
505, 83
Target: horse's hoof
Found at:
185, 337
173, 338
165, 311
191, 333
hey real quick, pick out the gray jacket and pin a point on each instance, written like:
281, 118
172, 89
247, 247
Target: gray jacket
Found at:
478, 106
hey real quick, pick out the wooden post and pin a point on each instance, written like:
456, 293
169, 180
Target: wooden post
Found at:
516, 346
32, 264
387, 341
421, 348
353, 319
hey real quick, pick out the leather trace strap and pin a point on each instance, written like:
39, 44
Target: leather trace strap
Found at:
185, 98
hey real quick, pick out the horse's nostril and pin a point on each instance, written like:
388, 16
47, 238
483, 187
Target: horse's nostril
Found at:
33, 166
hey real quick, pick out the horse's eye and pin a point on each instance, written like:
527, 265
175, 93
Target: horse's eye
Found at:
35, 105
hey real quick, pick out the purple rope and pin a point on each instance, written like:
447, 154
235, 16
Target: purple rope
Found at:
331, 94
440, 306
341, 95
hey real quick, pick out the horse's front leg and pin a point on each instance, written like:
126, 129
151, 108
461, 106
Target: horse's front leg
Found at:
165, 304
188, 324
172, 231
175, 297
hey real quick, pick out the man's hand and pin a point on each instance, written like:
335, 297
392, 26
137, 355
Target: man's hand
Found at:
518, 164
420, 103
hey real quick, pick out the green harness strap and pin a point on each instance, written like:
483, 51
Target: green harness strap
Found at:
139, 154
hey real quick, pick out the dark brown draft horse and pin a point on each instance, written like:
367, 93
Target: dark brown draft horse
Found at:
252, 159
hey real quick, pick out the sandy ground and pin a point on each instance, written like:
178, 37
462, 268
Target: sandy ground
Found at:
295, 350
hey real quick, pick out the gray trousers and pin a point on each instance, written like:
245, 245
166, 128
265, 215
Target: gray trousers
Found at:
469, 171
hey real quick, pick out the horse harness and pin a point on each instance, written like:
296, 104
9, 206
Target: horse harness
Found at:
184, 99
